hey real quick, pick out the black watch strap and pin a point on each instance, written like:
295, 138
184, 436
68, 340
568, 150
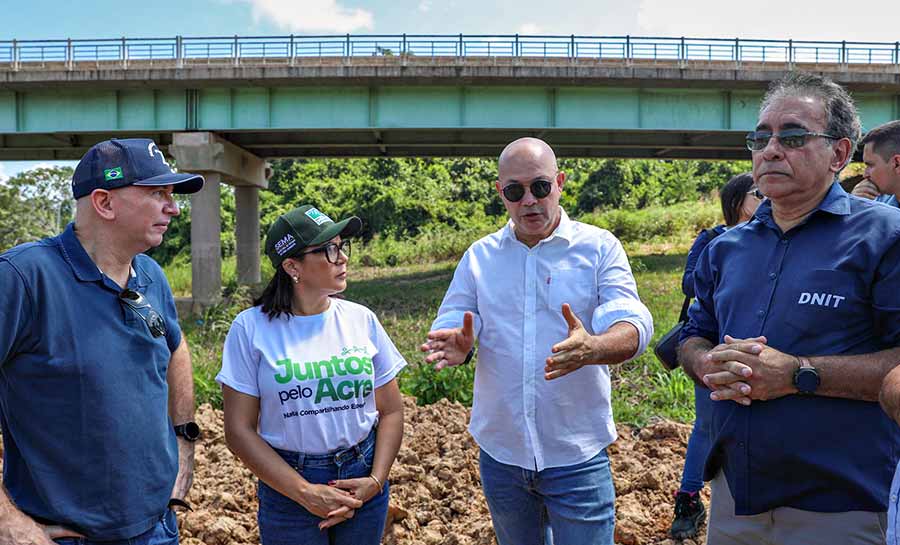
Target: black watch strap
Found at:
469, 356
175, 502
188, 430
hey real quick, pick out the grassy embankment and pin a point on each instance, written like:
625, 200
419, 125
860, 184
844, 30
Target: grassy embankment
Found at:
406, 296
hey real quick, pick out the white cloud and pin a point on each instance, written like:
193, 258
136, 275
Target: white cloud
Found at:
826, 20
530, 29
311, 15
425, 6
3, 175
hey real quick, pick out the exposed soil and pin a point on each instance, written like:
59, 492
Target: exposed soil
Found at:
436, 494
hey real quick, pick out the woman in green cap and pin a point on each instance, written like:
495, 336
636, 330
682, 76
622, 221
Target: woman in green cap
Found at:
312, 405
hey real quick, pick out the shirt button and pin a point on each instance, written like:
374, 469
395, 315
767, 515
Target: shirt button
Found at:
772, 276
759, 312
894, 498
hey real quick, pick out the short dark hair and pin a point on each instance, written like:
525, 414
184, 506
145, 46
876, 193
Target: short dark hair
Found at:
885, 139
732, 196
276, 299
842, 119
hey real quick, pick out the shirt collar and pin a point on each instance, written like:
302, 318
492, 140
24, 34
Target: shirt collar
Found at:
564, 230
77, 257
84, 267
836, 202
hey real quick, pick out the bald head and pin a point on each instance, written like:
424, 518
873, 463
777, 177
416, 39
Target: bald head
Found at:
526, 152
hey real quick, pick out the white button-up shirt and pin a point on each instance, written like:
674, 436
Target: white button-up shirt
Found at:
516, 293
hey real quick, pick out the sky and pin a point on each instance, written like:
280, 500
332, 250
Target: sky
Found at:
826, 20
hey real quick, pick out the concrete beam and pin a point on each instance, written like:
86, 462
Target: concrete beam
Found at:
206, 245
206, 152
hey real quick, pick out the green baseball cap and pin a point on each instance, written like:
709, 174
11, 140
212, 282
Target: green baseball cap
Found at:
303, 227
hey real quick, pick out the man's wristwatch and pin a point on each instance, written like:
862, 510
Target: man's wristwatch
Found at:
188, 430
469, 356
806, 377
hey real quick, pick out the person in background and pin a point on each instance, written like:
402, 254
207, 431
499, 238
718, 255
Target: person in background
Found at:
881, 154
739, 199
310, 391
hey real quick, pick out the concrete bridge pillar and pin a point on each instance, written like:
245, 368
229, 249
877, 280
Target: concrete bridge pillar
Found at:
220, 161
246, 232
206, 244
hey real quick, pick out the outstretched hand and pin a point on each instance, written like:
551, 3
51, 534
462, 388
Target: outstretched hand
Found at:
574, 352
449, 347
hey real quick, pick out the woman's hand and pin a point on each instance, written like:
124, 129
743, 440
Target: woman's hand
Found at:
325, 501
363, 488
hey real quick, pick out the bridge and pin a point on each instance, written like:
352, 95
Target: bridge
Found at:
223, 105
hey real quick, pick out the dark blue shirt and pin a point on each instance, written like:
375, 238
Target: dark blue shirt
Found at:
83, 393
828, 286
704, 238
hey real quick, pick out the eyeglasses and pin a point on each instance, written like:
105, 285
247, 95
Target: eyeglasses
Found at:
139, 304
332, 251
538, 188
756, 193
789, 138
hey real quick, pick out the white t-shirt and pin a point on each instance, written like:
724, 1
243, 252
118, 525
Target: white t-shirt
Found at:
315, 376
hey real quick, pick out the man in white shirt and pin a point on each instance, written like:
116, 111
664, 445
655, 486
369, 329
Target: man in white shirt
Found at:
553, 303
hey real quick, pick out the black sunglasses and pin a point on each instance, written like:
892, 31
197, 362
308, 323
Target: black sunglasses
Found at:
789, 138
538, 188
756, 193
139, 304
332, 251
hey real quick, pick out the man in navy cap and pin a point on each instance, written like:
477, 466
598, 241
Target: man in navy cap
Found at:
96, 388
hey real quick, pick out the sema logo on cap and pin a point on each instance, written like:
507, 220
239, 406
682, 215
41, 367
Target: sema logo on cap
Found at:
285, 245
318, 217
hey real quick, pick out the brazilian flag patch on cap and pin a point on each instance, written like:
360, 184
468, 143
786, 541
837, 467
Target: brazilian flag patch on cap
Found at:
112, 173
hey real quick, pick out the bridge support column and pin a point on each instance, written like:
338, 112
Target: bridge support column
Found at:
221, 161
206, 244
246, 234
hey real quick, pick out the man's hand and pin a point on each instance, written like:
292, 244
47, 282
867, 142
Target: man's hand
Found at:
574, 352
20, 529
750, 370
728, 366
449, 347
866, 189
185, 477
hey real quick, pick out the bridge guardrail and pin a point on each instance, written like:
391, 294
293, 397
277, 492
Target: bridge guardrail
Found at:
192, 50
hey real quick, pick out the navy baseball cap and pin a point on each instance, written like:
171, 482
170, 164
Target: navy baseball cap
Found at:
112, 164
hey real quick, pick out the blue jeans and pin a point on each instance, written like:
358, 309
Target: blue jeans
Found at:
284, 522
571, 505
699, 442
164, 533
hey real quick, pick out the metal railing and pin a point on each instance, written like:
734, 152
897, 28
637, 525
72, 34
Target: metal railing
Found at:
286, 49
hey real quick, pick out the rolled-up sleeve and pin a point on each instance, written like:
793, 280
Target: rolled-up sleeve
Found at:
618, 298
461, 297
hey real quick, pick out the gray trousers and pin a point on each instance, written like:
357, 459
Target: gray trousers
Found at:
788, 526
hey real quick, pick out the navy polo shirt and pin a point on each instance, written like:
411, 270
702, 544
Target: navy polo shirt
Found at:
83, 395
829, 286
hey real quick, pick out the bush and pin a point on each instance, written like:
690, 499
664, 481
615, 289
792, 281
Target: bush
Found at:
657, 221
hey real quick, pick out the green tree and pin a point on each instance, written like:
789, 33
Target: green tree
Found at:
35, 204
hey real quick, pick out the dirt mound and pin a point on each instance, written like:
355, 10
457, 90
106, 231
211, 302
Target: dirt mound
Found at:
436, 494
